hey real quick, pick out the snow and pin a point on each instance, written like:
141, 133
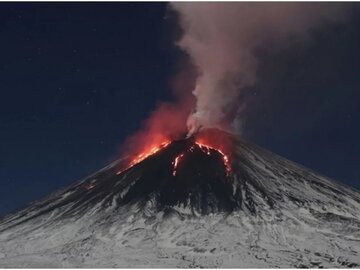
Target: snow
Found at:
314, 222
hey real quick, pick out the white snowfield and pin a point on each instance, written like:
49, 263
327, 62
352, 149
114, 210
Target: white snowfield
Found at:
312, 222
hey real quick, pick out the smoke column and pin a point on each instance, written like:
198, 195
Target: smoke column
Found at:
222, 38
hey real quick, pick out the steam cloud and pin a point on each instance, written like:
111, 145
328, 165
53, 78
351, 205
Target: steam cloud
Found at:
222, 38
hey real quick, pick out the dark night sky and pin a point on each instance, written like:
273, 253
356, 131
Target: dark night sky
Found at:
77, 79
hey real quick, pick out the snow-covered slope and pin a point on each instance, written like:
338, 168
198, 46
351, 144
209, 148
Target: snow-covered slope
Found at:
268, 212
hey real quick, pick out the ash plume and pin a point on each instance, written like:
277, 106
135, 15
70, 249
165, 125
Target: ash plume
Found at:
222, 39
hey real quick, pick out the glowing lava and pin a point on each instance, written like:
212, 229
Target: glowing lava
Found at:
207, 150
176, 163
146, 153
207, 142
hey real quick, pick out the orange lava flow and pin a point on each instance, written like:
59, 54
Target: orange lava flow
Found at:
206, 144
147, 153
143, 155
176, 163
206, 149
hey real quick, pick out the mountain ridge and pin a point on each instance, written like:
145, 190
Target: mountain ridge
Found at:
266, 212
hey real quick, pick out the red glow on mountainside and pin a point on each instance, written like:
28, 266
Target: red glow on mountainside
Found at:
147, 152
220, 141
206, 149
208, 142
176, 163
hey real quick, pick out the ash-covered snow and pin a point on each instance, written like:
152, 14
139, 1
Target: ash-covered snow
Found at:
286, 216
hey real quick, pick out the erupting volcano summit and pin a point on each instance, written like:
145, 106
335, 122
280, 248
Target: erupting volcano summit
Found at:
206, 201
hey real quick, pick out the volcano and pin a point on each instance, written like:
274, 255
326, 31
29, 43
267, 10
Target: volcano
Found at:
210, 200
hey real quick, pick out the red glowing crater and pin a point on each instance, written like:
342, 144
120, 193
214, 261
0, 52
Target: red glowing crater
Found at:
207, 150
206, 141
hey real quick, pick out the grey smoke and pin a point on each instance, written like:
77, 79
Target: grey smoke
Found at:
221, 39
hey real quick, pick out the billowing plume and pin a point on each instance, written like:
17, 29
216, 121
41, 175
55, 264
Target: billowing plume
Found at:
222, 39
